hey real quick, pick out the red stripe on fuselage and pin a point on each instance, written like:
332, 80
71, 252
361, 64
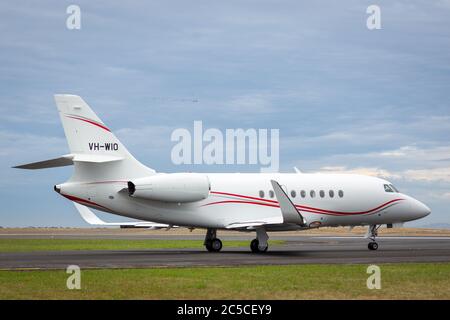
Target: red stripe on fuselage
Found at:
239, 201
304, 208
83, 201
242, 196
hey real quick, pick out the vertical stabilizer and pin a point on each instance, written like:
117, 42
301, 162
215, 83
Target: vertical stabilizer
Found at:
88, 136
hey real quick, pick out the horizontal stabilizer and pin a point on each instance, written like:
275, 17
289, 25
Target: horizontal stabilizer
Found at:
52, 163
91, 218
69, 159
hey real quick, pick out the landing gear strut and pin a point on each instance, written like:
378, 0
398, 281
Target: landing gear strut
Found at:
260, 244
211, 243
372, 233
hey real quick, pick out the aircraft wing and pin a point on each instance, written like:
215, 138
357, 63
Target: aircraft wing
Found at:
289, 213
253, 224
288, 210
91, 218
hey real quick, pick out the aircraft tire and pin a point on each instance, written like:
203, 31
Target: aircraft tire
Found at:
373, 246
254, 246
215, 245
208, 246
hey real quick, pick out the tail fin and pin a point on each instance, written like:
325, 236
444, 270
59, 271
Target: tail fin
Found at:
85, 132
88, 137
95, 151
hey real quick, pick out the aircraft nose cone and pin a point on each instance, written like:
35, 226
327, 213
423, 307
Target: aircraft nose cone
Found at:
420, 209
425, 210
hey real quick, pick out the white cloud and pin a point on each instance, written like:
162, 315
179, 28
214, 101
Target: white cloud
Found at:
429, 175
445, 195
252, 103
375, 172
439, 153
148, 137
15, 145
434, 174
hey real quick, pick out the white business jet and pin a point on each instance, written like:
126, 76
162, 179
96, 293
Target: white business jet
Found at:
108, 178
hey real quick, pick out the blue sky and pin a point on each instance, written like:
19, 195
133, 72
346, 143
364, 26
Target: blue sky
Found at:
344, 98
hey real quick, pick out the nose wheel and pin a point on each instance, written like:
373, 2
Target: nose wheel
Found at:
373, 246
372, 233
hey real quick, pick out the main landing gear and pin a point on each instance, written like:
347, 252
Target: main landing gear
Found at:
260, 245
211, 243
372, 233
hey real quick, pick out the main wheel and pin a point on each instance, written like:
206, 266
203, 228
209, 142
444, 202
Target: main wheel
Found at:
372, 246
254, 246
214, 245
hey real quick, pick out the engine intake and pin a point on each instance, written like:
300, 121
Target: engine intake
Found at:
173, 187
131, 188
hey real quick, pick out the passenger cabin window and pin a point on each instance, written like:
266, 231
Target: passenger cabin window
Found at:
322, 193
387, 188
271, 194
331, 193
312, 193
341, 193
293, 193
303, 193
261, 194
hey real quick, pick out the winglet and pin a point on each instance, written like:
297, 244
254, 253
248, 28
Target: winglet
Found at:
297, 171
288, 209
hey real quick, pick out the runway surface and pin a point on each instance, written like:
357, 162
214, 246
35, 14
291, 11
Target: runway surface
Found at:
296, 250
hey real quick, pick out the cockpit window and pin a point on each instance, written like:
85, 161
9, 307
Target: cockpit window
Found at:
387, 188
394, 188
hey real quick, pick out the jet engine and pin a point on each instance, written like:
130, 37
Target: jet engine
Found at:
172, 187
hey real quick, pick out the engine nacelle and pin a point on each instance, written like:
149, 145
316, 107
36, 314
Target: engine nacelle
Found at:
172, 187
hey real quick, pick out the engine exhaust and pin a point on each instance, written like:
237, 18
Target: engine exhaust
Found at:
57, 188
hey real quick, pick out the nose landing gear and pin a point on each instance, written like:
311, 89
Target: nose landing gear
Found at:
372, 233
373, 246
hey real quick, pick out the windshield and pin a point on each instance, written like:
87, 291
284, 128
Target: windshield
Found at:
390, 188
394, 188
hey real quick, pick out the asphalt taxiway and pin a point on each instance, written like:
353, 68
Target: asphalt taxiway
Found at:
295, 250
